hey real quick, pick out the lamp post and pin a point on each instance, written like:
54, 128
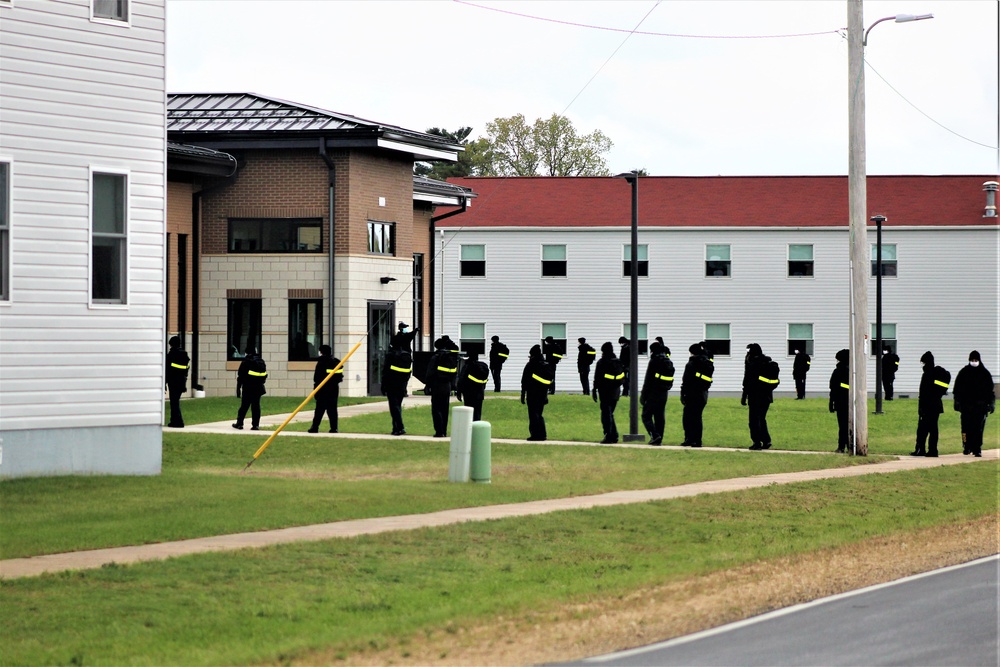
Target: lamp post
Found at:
633, 435
878, 220
857, 38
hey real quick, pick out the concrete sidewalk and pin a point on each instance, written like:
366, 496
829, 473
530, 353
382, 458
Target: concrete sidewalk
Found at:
27, 567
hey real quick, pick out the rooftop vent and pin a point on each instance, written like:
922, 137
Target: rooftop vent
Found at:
990, 188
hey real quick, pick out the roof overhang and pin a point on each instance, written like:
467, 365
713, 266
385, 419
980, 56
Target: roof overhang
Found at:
418, 152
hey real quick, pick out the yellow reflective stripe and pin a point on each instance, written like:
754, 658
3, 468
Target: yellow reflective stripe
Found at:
475, 379
665, 378
942, 384
809, 363
592, 352
330, 370
501, 354
844, 385
444, 369
180, 366
767, 380
256, 374
620, 376
703, 377
400, 370
557, 355
541, 379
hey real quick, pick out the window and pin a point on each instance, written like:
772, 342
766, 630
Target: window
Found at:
305, 328
472, 338
274, 235
717, 261
382, 238
641, 334
418, 298
888, 337
558, 333
4, 230
114, 10
717, 339
473, 261
109, 237
888, 259
800, 337
244, 326
553, 260
642, 260
800, 261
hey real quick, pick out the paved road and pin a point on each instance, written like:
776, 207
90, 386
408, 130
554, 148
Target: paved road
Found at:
945, 617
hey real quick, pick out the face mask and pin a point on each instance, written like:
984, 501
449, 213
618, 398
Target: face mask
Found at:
974, 364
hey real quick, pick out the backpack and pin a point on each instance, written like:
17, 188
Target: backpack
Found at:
257, 365
617, 369
768, 371
704, 369
941, 380
665, 370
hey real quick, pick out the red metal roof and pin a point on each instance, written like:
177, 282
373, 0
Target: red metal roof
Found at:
719, 201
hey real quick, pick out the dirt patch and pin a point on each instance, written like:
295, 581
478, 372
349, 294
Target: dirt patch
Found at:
655, 614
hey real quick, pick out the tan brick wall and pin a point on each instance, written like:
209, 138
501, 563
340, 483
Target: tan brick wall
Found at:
179, 221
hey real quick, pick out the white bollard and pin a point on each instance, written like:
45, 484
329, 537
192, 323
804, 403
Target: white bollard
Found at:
461, 444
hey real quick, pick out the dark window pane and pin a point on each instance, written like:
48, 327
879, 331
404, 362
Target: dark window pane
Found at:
553, 268
800, 268
473, 268
477, 346
284, 235
718, 347
305, 329
243, 326
717, 268
642, 265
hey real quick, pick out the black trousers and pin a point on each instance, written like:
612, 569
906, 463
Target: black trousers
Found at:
887, 381
250, 402
759, 434
843, 435
440, 396
536, 421
176, 418
474, 401
654, 416
800, 387
395, 399
609, 401
495, 372
927, 432
973, 425
627, 383
584, 378
693, 408
326, 404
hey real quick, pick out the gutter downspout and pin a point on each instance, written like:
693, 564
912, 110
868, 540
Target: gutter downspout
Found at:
331, 192
431, 303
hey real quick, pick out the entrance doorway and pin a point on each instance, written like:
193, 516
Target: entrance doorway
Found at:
381, 321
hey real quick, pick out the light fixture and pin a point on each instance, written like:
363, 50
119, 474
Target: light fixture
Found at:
385, 280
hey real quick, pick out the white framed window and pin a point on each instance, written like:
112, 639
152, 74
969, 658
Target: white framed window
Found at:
717, 339
641, 335
5, 199
888, 337
558, 332
800, 337
553, 261
472, 337
642, 260
718, 260
109, 195
381, 238
472, 261
889, 268
800, 261
110, 10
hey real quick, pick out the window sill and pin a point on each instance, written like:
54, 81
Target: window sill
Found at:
301, 365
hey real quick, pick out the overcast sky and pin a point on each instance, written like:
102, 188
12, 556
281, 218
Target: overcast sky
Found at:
709, 104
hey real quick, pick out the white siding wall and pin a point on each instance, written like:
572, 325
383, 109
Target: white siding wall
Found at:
81, 386
944, 299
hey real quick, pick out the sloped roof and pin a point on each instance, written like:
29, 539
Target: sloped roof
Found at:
440, 189
719, 201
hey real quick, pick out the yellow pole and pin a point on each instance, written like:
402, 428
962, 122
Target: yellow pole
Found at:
303, 404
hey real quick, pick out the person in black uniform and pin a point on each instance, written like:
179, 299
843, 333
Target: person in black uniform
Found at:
403, 338
840, 397
472, 385
890, 364
608, 378
498, 354
250, 379
929, 406
625, 357
178, 364
758, 388
975, 399
584, 360
329, 393
695, 384
655, 387
442, 368
553, 353
395, 376
535, 381
799, 369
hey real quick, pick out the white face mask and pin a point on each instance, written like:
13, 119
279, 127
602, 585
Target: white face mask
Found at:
974, 364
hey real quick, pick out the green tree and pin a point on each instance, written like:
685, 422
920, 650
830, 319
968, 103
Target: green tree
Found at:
550, 147
445, 170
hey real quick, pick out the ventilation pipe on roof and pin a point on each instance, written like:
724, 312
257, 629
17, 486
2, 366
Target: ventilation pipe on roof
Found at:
990, 188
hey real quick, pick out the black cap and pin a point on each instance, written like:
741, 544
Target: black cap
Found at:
843, 355
695, 349
174, 341
608, 348
927, 358
495, 339
974, 356
581, 340
535, 351
325, 349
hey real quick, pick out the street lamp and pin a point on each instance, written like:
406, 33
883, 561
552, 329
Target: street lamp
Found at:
633, 435
857, 38
878, 220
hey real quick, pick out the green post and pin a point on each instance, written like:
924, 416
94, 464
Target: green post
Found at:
480, 465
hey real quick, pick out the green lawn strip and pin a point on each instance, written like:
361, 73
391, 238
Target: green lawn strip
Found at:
301, 481
329, 600
224, 408
805, 425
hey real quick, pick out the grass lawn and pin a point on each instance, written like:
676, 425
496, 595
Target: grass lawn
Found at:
323, 602
223, 408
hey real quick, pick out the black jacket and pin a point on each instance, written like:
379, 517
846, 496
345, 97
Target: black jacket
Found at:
890, 364
973, 389
442, 368
251, 376
324, 365
473, 378
498, 354
586, 356
697, 377
929, 400
608, 375
178, 364
396, 371
801, 365
536, 379
840, 385
659, 376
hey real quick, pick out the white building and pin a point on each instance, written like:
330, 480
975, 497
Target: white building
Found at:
727, 260
82, 195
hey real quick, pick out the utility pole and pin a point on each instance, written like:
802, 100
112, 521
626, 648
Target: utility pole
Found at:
857, 204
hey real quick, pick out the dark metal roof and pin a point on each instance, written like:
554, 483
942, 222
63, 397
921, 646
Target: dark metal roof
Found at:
430, 186
249, 113
199, 160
